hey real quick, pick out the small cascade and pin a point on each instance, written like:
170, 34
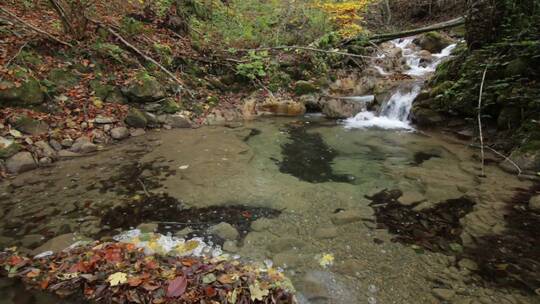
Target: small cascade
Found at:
394, 113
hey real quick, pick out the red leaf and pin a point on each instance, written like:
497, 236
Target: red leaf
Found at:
177, 287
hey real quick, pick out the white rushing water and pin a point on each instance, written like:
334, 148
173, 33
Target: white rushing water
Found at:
394, 113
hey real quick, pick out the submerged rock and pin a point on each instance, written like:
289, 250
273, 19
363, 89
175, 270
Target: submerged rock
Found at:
60, 243
347, 217
224, 230
21, 162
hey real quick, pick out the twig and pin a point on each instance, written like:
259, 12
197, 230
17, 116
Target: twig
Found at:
34, 28
503, 156
143, 187
17, 54
480, 119
285, 47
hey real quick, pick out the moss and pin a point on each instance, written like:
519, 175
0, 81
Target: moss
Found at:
530, 146
303, 87
63, 78
441, 88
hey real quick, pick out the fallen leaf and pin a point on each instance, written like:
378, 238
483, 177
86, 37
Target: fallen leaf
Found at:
117, 278
326, 260
176, 287
257, 293
135, 281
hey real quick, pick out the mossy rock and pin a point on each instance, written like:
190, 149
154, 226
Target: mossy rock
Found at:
303, 87
136, 118
29, 93
441, 88
144, 89
116, 96
517, 67
31, 126
63, 78
426, 117
169, 106
8, 149
434, 42
100, 89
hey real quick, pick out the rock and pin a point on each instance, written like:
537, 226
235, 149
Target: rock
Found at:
148, 227
411, 197
527, 158
169, 106
83, 145
342, 108
433, 42
67, 142
284, 244
224, 230
314, 288
151, 119
137, 132
467, 264
60, 243
303, 87
116, 96
120, 133
230, 246
55, 144
282, 107
31, 240
20, 162
534, 203
443, 294
261, 224
426, 117
346, 217
63, 78
45, 161
177, 121
8, 147
145, 89
104, 120
29, 93
46, 150
31, 126
425, 56
136, 119
326, 232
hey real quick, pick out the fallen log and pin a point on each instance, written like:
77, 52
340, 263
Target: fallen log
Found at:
434, 27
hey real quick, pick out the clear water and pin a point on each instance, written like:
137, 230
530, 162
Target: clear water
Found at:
258, 165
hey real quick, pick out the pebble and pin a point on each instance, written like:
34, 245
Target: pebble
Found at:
67, 142
119, 133
138, 132
410, 197
224, 230
261, 224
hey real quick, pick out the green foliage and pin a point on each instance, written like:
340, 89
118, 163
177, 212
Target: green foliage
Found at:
255, 67
131, 26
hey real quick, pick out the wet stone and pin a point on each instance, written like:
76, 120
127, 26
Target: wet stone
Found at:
346, 217
288, 260
443, 294
224, 230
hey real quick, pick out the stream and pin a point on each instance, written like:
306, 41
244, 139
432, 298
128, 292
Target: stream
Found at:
403, 213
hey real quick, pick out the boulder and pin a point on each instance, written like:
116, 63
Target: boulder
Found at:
176, 121
426, 117
224, 230
342, 108
303, 87
31, 126
425, 56
528, 161
534, 203
83, 145
136, 119
169, 106
21, 162
282, 107
27, 94
120, 133
46, 149
144, 89
8, 147
63, 78
433, 42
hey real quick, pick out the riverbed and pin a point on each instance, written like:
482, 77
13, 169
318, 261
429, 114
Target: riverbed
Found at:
296, 190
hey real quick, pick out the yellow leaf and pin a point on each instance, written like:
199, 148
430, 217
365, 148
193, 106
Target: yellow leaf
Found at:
257, 293
117, 278
326, 260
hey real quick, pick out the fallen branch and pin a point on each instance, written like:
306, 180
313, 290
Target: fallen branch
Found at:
34, 28
143, 55
17, 54
503, 156
294, 47
479, 116
434, 27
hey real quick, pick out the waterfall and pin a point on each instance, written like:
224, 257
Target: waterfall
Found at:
394, 113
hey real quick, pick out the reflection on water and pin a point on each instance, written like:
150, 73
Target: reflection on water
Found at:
296, 190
